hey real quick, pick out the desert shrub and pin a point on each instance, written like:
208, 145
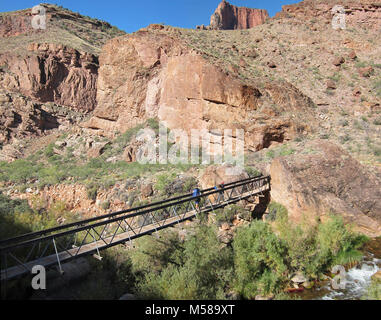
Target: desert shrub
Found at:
270, 154
153, 124
51, 175
344, 139
124, 139
337, 243
18, 171
226, 214
92, 192
286, 151
199, 272
258, 260
377, 121
106, 205
276, 209
315, 248
9, 206
17, 217
377, 88
373, 292
302, 252
9, 226
377, 151
252, 172
189, 184
153, 255
49, 151
164, 181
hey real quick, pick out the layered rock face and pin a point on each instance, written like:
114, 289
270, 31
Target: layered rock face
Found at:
152, 75
53, 73
20, 118
328, 180
365, 13
16, 24
229, 17
57, 65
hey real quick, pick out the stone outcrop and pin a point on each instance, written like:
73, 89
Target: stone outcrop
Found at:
328, 180
20, 117
52, 73
151, 75
16, 24
365, 13
229, 17
57, 65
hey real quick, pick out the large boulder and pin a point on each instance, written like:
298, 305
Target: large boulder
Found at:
229, 17
214, 175
328, 180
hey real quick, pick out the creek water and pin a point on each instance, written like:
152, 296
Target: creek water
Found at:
358, 278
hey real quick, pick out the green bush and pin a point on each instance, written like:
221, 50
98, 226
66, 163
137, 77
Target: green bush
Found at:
315, 248
373, 292
49, 152
92, 192
302, 251
377, 121
164, 181
337, 243
229, 213
9, 226
154, 255
252, 172
193, 271
189, 184
19, 171
106, 205
276, 209
17, 217
259, 260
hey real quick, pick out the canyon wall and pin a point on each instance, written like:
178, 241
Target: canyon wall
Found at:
229, 17
152, 75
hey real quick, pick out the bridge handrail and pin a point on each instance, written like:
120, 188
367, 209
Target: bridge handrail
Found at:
109, 215
81, 224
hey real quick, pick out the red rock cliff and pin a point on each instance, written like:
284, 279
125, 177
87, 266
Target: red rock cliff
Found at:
53, 73
229, 17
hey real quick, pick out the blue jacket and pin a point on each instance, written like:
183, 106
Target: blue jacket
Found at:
196, 192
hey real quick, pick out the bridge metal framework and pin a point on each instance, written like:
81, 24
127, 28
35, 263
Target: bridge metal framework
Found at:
61, 244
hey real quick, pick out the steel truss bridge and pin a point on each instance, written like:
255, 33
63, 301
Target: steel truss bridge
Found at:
66, 242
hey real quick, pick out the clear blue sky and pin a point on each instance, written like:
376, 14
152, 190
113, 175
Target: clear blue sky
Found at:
131, 15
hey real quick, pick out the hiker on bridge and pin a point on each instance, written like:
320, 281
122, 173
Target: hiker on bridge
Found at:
196, 194
221, 186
